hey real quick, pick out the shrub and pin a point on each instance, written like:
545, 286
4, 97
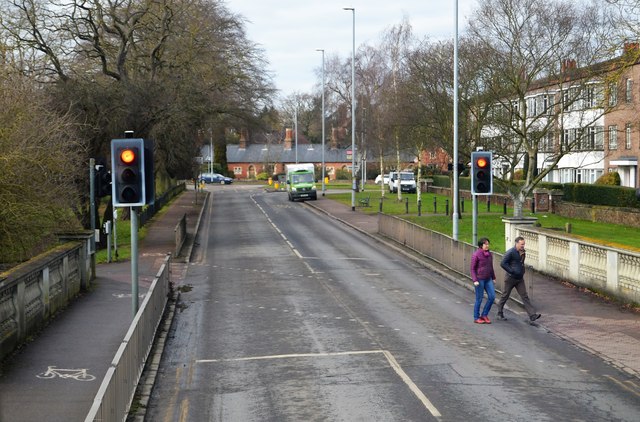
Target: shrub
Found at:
614, 196
262, 176
342, 174
610, 179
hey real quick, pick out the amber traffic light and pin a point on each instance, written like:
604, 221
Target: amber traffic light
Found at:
481, 175
127, 172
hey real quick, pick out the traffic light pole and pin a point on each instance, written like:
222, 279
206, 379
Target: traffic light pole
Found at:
92, 199
474, 218
134, 260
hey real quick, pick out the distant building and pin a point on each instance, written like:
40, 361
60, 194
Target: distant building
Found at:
245, 160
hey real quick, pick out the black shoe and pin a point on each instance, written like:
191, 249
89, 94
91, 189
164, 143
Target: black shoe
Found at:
501, 317
534, 317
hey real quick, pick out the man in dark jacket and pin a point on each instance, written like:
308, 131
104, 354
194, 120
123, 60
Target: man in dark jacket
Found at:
513, 263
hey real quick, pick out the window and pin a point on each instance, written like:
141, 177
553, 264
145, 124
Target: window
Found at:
593, 96
613, 94
627, 136
237, 170
629, 90
531, 107
588, 175
546, 143
613, 137
594, 139
567, 175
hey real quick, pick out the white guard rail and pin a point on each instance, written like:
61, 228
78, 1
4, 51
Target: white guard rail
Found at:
115, 395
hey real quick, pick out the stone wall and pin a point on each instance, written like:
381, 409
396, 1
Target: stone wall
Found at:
614, 215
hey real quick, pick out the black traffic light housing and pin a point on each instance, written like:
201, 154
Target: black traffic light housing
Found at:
102, 181
481, 174
128, 172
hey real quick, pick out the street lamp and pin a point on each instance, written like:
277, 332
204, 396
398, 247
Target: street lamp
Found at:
353, 111
295, 127
456, 173
323, 187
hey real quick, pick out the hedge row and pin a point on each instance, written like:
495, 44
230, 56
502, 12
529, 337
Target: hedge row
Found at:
613, 196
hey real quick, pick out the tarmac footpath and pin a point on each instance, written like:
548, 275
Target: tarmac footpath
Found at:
56, 376
604, 328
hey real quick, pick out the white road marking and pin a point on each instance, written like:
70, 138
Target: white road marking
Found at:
390, 358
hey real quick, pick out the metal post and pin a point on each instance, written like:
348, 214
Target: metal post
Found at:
115, 233
455, 126
323, 184
295, 124
363, 170
474, 230
381, 200
419, 207
446, 206
435, 205
406, 205
353, 112
92, 198
134, 260
107, 230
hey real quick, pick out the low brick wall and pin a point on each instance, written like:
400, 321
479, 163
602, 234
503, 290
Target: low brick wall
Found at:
614, 215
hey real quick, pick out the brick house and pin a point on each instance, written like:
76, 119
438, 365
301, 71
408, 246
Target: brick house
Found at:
245, 160
600, 121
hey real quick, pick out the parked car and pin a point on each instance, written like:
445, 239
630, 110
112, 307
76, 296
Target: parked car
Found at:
406, 179
215, 178
384, 178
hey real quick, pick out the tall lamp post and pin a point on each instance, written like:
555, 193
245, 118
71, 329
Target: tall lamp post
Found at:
456, 171
323, 187
353, 112
295, 126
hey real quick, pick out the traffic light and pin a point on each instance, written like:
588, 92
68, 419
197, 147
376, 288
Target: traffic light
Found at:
102, 182
481, 175
127, 172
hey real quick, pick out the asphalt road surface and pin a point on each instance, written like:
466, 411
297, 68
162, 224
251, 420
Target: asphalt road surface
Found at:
288, 315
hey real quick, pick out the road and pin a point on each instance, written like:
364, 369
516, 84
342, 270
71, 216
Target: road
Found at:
287, 315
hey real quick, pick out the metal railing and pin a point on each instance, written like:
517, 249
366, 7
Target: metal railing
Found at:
582, 263
115, 395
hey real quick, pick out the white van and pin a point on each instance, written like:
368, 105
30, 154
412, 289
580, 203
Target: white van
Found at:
406, 179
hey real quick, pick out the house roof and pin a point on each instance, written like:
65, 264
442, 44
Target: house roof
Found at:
275, 153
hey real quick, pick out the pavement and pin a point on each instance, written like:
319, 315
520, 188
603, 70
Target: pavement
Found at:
88, 333
79, 344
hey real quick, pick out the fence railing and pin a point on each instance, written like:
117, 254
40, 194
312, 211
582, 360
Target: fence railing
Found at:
615, 271
180, 234
115, 395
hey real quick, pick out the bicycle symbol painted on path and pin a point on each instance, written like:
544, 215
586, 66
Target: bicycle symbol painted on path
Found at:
76, 374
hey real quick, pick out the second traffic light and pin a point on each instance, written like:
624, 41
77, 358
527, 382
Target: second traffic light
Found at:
481, 175
127, 172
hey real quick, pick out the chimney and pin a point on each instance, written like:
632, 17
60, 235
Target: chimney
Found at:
287, 138
243, 139
567, 65
631, 47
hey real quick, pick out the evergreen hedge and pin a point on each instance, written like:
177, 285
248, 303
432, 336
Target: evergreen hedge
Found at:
613, 196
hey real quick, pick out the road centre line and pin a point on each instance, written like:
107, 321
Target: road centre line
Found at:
388, 355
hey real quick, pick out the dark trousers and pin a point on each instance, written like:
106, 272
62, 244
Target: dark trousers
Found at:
511, 283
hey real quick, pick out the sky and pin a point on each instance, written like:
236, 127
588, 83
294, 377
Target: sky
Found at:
290, 31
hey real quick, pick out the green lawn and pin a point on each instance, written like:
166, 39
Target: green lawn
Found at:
489, 223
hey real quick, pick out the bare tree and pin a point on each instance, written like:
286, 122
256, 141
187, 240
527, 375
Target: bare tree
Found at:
165, 69
41, 158
539, 90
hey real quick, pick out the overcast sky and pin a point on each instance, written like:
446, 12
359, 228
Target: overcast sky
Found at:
290, 31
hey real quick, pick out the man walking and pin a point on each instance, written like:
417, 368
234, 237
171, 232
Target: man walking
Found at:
513, 264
